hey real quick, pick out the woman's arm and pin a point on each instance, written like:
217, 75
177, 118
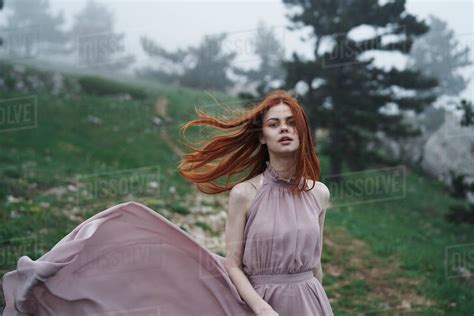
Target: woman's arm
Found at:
322, 195
234, 232
318, 271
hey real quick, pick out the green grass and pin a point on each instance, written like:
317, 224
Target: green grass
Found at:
85, 139
412, 228
67, 147
78, 139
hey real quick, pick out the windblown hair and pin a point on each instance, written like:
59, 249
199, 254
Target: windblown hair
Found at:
237, 148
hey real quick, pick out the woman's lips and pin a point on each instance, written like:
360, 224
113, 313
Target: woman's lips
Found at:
285, 139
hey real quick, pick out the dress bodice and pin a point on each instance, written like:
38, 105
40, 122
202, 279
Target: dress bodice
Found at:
282, 229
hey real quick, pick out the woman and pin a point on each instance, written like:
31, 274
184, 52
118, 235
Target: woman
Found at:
130, 260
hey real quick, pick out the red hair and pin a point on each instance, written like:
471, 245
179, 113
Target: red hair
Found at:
237, 147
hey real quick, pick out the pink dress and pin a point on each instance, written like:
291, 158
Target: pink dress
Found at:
130, 260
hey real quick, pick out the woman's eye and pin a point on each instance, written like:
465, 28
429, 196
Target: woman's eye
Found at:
289, 123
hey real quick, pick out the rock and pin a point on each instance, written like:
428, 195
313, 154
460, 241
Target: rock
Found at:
450, 148
465, 273
34, 82
443, 146
123, 97
72, 188
58, 191
12, 199
94, 119
44, 204
58, 83
156, 120
19, 68
172, 189
406, 305
153, 184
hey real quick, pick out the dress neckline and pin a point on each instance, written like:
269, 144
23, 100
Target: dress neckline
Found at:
275, 177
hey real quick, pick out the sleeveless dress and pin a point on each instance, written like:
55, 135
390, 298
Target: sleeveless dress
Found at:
131, 260
282, 236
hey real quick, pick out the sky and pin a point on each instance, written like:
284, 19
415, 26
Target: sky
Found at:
175, 24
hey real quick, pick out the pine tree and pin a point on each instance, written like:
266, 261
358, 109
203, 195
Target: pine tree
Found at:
270, 53
1, 7
32, 31
467, 109
96, 43
203, 67
346, 92
437, 54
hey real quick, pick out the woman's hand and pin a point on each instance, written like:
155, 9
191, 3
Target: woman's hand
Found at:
267, 312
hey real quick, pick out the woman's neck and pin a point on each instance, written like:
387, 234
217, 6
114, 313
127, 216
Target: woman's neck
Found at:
285, 169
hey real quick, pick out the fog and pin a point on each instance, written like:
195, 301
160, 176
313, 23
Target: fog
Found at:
179, 24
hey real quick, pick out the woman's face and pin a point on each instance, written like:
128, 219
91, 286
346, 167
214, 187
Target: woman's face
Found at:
278, 123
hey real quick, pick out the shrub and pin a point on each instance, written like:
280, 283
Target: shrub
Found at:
100, 86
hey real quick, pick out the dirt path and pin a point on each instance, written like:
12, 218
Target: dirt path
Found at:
161, 106
362, 277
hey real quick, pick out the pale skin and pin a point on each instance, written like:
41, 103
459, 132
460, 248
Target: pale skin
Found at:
277, 123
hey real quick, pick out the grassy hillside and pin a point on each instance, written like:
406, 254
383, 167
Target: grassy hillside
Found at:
400, 249
93, 138
378, 255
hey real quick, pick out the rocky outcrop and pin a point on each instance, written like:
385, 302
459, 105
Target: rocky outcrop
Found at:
25, 79
444, 146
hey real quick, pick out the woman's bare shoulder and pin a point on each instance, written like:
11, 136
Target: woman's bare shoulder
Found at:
321, 191
244, 192
240, 190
